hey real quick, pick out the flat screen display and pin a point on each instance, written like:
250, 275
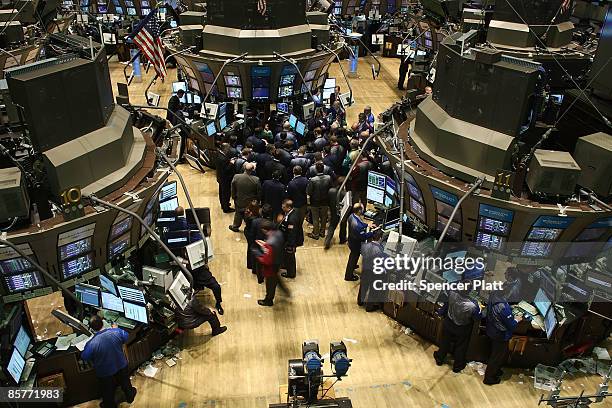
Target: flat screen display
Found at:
417, 208
15, 265
232, 80
282, 107
446, 210
177, 239
544, 234
550, 322
112, 302
591, 234
287, 80
391, 186
575, 290
376, 195
211, 129
135, 312
489, 241
22, 341
168, 191
599, 281
119, 246
285, 91
261, 93
415, 191
130, 294
536, 249
542, 302
179, 86
121, 227
15, 366
108, 285
300, 128
234, 93
222, 122
454, 229
87, 294
131, 11
75, 248
376, 180
169, 205
293, 120
23, 282
487, 224
77, 266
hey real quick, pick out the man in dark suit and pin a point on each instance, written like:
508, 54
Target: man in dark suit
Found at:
264, 158
174, 106
245, 188
273, 192
225, 173
369, 253
296, 192
274, 166
318, 198
357, 234
294, 237
259, 146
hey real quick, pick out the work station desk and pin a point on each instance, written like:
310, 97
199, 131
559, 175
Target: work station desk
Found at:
528, 347
79, 378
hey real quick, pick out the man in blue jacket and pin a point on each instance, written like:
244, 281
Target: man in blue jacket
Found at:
357, 234
500, 326
105, 352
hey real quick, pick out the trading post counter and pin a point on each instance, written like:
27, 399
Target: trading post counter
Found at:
65, 369
578, 333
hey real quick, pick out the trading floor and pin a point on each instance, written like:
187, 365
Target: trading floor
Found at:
247, 366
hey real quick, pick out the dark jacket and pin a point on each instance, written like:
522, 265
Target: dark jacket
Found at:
460, 309
320, 143
312, 171
261, 161
296, 191
259, 146
284, 157
224, 168
174, 106
357, 232
245, 188
318, 190
500, 321
273, 166
273, 192
291, 226
301, 161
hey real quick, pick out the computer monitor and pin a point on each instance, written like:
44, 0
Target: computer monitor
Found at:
154, 99
169, 205
574, 290
22, 341
232, 80
300, 128
376, 195
293, 120
177, 86
285, 91
196, 99
131, 294
15, 366
308, 110
377, 180
542, 302
87, 294
108, 285
135, 312
550, 322
23, 282
177, 239
211, 128
261, 93
68, 320
196, 253
111, 302
15, 265
222, 123
346, 99
209, 110
282, 107
234, 92
168, 191
75, 248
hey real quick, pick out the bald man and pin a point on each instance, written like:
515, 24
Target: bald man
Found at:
357, 234
245, 189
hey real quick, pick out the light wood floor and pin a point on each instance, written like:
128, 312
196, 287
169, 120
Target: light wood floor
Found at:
245, 366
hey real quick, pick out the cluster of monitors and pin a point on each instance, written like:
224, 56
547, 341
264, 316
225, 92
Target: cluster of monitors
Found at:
298, 126
168, 201
382, 189
217, 115
20, 275
17, 362
128, 300
189, 98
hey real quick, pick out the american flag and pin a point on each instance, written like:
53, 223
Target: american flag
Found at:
146, 37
